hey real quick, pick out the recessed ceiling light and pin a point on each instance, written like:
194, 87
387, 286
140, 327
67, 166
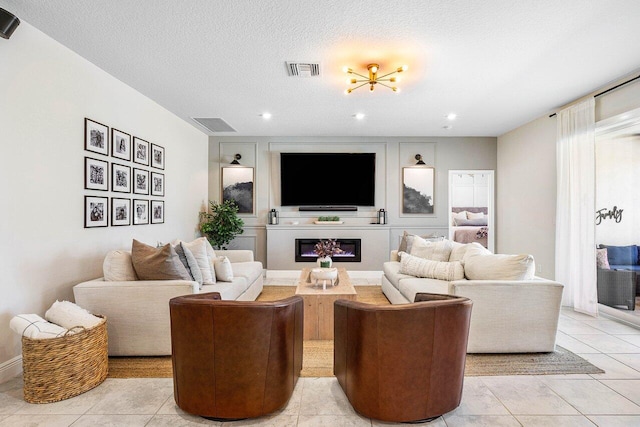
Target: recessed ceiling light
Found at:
359, 116
266, 116
451, 116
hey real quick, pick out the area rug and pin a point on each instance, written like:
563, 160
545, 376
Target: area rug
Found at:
318, 355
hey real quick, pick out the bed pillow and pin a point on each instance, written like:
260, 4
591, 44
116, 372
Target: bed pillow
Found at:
477, 222
474, 215
157, 263
458, 215
420, 267
601, 259
117, 266
480, 264
435, 251
406, 242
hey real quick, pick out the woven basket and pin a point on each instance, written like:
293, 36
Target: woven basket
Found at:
59, 368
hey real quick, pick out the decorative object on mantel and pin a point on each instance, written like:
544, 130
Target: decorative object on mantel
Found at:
615, 214
418, 157
382, 216
373, 79
222, 224
328, 220
417, 190
325, 249
274, 218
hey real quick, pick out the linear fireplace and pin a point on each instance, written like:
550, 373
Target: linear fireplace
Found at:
351, 250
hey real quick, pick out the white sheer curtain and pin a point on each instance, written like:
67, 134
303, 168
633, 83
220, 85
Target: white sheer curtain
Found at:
575, 207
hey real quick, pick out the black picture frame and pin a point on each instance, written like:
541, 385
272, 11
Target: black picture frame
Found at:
120, 178
140, 212
157, 184
140, 151
157, 156
96, 212
96, 137
120, 212
96, 174
157, 212
120, 145
418, 190
140, 181
238, 185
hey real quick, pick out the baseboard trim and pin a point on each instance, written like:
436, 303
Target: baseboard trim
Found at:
10, 369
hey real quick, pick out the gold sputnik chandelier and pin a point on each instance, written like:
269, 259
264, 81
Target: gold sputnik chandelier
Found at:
373, 78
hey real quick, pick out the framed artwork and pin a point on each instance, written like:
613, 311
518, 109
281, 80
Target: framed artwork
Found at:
237, 185
417, 190
140, 181
96, 174
140, 212
120, 178
157, 212
96, 137
120, 144
157, 156
140, 151
120, 211
95, 211
157, 184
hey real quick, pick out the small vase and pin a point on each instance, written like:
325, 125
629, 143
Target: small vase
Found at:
325, 262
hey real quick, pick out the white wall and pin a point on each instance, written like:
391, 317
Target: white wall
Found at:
526, 193
392, 154
48, 90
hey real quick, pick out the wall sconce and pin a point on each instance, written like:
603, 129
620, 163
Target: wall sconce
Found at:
8, 23
418, 157
235, 159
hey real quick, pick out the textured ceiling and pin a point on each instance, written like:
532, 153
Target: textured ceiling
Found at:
496, 63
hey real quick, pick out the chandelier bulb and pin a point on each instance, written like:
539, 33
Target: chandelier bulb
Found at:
347, 91
353, 81
392, 79
403, 68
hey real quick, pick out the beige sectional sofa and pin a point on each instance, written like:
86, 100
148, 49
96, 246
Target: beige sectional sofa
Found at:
508, 316
137, 311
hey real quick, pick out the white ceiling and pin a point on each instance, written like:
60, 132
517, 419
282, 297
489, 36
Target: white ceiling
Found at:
496, 63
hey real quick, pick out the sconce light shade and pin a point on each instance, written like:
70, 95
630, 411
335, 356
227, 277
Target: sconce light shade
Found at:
418, 157
235, 159
8, 23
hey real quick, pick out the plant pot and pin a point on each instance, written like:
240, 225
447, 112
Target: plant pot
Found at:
324, 262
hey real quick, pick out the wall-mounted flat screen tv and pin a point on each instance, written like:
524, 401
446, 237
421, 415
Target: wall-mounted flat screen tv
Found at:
328, 179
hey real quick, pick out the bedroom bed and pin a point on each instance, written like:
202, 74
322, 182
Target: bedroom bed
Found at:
469, 224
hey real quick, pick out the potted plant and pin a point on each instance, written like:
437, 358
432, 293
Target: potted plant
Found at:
325, 249
221, 224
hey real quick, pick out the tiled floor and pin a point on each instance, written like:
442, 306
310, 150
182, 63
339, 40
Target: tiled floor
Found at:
609, 399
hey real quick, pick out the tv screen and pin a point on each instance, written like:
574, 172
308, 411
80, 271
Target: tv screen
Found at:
327, 179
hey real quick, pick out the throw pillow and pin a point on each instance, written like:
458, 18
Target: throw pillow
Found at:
157, 263
622, 255
199, 250
224, 273
406, 241
483, 265
475, 215
189, 262
435, 251
457, 251
420, 267
601, 259
117, 266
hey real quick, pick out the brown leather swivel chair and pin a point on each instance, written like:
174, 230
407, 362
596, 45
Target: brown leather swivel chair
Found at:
234, 359
404, 362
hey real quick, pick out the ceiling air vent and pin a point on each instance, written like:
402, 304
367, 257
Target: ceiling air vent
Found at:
214, 124
303, 69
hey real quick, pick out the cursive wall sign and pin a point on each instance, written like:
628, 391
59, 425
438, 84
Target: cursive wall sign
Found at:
615, 214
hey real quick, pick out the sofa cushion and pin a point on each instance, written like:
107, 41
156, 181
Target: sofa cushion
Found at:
117, 266
199, 249
601, 259
407, 240
420, 267
250, 270
409, 287
223, 270
391, 270
157, 263
483, 265
435, 251
229, 291
622, 255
